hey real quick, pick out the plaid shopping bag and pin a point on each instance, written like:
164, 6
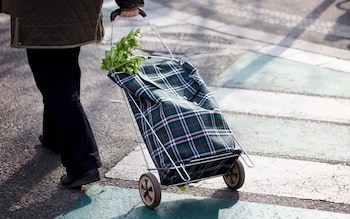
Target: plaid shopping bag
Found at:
171, 103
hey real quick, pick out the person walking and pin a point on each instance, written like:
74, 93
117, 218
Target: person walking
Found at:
52, 32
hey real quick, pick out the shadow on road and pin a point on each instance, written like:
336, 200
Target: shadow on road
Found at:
296, 32
344, 19
188, 208
14, 191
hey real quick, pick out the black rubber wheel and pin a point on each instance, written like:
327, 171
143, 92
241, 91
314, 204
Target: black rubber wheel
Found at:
235, 178
150, 190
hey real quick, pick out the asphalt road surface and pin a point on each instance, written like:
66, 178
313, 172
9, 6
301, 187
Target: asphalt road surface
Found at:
231, 44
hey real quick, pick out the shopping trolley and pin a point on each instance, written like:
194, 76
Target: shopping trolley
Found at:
180, 123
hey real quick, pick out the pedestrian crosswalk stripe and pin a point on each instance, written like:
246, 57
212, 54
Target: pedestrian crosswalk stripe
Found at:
283, 105
275, 176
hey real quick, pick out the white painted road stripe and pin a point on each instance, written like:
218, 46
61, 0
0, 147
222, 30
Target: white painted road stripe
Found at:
294, 178
274, 176
283, 105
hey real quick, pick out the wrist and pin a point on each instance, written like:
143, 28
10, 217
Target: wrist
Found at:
128, 5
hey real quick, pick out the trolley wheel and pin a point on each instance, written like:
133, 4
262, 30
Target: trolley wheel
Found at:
150, 190
235, 178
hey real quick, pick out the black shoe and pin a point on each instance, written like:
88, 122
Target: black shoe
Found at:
73, 182
41, 139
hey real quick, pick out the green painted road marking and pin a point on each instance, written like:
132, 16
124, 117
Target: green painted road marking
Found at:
311, 58
113, 202
295, 138
263, 72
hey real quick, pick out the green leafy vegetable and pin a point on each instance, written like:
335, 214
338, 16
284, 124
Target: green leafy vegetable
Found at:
121, 57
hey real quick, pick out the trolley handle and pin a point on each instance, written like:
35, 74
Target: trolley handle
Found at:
117, 12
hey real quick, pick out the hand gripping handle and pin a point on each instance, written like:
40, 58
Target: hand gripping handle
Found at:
117, 12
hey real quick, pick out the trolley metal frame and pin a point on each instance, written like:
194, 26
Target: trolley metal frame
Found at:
183, 169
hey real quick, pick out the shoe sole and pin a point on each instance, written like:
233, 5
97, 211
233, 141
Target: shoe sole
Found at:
83, 181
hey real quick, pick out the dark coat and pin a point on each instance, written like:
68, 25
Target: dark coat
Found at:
55, 23
59, 23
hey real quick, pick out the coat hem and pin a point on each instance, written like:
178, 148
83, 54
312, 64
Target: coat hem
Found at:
54, 46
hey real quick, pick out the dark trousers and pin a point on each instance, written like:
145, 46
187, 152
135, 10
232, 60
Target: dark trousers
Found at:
65, 125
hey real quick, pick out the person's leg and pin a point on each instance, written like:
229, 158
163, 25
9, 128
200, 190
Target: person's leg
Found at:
39, 62
57, 75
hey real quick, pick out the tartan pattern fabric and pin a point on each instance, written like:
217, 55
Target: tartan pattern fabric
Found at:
181, 111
